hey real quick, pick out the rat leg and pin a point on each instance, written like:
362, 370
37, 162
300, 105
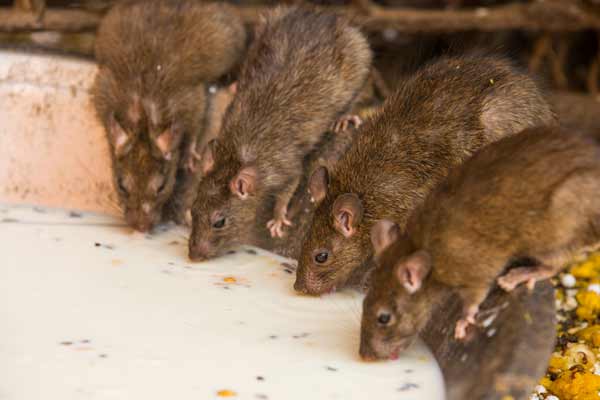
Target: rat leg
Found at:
192, 155
531, 275
472, 298
280, 219
344, 121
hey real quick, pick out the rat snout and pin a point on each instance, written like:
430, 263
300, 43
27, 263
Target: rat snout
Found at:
366, 352
299, 285
139, 221
309, 282
199, 250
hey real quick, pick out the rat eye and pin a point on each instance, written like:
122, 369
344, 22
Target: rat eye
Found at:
121, 185
218, 224
162, 186
384, 318
321, 257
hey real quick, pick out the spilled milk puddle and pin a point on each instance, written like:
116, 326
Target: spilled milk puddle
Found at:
91, 310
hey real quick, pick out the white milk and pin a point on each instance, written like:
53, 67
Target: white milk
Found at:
89, 310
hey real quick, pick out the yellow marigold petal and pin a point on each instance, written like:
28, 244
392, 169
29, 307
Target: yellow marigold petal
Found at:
226, 393
576, 386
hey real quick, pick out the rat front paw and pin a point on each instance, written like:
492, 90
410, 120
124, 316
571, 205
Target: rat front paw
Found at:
191, 160
344, 121
276, 225
507, 282
460, 332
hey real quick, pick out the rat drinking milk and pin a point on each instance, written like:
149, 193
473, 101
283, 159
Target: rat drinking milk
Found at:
151, 94
301, 75
437, 119
530, 196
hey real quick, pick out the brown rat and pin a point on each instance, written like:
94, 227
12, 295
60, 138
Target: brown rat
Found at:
531, 196
436, 119
218, 99
301, 74
155, 59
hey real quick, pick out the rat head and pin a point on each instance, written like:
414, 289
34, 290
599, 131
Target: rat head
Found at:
144, 180
145, 134
334, 247
396, 306
224, 212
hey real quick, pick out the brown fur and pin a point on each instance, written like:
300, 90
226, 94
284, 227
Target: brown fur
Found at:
155, 59
301, 74
436, 119
532, 196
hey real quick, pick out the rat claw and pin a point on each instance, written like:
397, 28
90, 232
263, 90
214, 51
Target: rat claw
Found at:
505, 284
192, 157
531, 284
188, 217
344, 122
276, 225
460, 332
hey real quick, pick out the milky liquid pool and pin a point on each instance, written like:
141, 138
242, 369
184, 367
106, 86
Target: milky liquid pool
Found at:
90, 310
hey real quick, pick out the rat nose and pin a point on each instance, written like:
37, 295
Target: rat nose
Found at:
299, 286
199, 250
366, 355
138, 222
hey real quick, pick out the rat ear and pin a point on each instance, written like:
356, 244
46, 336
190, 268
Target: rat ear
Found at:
167, 141
383, 234
413, 270
347, 213
208, 157
244, 183
317, 185
118, 137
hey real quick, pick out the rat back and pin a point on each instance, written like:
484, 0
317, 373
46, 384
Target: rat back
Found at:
531, 195
437, 119
302, 72
167, 43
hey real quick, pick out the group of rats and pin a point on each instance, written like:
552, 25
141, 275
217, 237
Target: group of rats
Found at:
462, 172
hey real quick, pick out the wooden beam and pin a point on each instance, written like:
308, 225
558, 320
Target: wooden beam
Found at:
549, 15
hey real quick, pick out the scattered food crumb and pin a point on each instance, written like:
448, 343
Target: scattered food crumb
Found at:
226, 393
10, 220
85, 341
328, 368
103, 355
229, 279
66, 343
300, 336
251, 251
273, 337
408, 371
261, 396
408, 386
260, 378
231, 252
97, 244
74, 214
174, 243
